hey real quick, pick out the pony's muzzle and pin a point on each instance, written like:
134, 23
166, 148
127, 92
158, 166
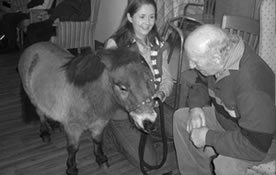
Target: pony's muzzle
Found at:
149, 126
144, 121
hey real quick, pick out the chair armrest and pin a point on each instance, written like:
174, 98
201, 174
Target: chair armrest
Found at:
37, 15
72, 24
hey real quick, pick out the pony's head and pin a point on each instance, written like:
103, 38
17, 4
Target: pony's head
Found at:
132, 85
124, 76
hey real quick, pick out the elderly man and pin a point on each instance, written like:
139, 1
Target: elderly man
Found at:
231, 117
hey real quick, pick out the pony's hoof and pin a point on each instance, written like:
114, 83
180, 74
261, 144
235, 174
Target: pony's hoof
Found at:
46, 138
102, 161
105, 165
72, 171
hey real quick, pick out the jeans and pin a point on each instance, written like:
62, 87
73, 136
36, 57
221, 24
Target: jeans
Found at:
193, 161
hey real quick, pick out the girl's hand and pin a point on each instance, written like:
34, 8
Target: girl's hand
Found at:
160, 95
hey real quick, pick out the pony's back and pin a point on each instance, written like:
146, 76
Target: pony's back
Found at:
41, 76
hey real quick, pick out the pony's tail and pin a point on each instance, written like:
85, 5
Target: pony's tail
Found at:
29, 113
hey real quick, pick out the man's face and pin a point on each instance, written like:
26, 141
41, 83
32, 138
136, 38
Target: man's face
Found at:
206, 65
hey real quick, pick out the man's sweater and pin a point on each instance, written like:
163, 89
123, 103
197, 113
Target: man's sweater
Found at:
244, 104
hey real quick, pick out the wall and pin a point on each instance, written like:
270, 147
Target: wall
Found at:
249, 8
110, 15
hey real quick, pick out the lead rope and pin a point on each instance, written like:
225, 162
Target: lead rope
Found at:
143, 140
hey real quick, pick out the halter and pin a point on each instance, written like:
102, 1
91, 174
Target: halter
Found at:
144, 102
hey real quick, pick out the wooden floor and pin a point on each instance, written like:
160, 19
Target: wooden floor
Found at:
23, 153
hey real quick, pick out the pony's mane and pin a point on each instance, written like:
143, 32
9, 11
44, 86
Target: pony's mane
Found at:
121, 56
84, 68
88, 67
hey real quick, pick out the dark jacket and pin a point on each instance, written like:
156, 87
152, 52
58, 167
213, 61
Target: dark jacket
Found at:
34, 3
72, 10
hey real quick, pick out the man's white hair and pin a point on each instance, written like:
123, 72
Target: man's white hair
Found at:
204, 38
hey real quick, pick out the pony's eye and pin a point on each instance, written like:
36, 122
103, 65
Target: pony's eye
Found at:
123, 88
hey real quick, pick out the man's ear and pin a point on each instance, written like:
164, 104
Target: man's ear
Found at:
129, 17
217, 59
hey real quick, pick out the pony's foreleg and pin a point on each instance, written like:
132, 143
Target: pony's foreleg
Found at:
73, 137
101, 158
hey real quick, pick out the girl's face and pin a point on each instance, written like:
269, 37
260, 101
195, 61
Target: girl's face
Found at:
143, 20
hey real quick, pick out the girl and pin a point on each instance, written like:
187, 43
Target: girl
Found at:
138, 30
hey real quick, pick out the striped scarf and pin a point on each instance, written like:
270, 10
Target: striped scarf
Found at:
155, 56
156, 59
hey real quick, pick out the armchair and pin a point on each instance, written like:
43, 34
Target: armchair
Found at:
245, 27
77, 34
178, 64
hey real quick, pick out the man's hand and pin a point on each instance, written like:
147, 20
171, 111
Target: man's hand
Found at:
196, 120
198, 136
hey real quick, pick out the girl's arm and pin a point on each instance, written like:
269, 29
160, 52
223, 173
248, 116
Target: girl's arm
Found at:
166, 84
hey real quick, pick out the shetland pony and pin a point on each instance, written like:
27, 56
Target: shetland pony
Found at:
82, 93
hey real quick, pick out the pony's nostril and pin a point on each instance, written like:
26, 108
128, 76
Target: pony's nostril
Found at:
148, 125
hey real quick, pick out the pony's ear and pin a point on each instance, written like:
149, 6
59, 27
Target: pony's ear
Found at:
104, 56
